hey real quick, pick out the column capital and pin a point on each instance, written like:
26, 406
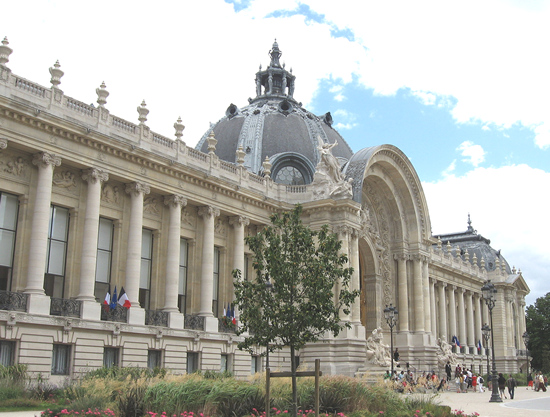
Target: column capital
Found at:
441, 284
239, 221
3, 143
175, 201
137, 188
342, 229
400, 257
43, 159
208, 211
93, 175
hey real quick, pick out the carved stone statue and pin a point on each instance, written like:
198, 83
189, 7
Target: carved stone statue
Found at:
445, 354
328, 180
378, 352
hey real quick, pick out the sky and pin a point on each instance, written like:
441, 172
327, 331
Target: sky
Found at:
461, 87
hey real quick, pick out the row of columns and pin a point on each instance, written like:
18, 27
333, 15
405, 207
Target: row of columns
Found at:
443, 310
94, 177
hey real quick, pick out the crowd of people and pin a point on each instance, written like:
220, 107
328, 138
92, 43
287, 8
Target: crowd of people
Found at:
464, 380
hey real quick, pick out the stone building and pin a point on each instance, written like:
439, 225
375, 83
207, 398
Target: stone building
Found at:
90, 202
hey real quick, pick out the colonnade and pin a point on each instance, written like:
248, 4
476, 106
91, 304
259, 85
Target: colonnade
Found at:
94, 177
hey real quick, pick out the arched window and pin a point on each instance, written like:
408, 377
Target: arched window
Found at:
291, 169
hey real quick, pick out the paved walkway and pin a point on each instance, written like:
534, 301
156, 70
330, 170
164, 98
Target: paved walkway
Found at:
526, 403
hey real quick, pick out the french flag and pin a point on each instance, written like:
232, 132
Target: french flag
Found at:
123, 299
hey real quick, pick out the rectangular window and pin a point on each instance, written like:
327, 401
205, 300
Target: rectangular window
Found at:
7, 352
154, 359
104, 257
61, 359
58, 235
255, 364
9, 206
146, 268
192, 362
110, 357
182, 284
224, 363
245, 273
216, 284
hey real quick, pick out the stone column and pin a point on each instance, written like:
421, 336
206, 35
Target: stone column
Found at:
402, 288
39, 303
442, 312
461, 318
355, 281
470, 320
88, 264
452, 312
418, 281
238, 223
175, 203
426, 295
208, 213
477, 321
343, 233
432, 308
136, 314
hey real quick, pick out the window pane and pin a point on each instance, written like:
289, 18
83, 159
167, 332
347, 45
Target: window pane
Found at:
146, 243
182, 285
223, 363
60, 223
103, 266
7, 243
154, 359
105, 237
110, 357
56, 260
192, 362
61, 359
145, 273
7, 352
8, 211
183, 252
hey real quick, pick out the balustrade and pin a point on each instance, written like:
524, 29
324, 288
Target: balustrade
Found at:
65, 307
193, 322
13, 301
119, 314
156, 318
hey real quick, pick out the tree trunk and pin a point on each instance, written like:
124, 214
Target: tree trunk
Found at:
294, 385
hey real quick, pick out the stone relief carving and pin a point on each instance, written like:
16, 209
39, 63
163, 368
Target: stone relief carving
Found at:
151, 206
328, 180
219, 226
380, 237
110, 194
65, 179
187, 217
15, 165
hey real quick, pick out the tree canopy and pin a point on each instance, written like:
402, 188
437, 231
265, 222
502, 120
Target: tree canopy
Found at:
292, 301
538, 328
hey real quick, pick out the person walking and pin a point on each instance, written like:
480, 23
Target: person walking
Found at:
511, 384
480, 383
530, 381
501, 385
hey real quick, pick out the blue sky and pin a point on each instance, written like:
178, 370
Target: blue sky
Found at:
460, 87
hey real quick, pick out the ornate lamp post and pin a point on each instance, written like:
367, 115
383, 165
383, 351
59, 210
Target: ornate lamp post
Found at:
525, 337
489, 292
486, 330
391, 314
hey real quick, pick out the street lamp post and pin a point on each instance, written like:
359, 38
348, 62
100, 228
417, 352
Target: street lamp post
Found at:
486, 330
525, 337
489, 292
391, 314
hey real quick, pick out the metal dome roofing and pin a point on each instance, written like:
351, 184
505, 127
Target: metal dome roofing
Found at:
275, 125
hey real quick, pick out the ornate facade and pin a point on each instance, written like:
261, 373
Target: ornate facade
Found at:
90, 202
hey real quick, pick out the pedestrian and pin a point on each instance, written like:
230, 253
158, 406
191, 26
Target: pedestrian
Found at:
501, 385
448, 370
480, 383
396, 355
474, 382
511, 384
530, 381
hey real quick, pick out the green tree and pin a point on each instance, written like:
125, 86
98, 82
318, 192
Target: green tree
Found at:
538, 327
291, 301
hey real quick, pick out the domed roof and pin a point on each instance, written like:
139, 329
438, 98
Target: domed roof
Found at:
475, 244
275, 125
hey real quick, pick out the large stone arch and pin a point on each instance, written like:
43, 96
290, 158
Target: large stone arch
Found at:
394, 222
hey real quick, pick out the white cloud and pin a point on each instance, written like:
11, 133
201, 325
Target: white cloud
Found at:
449, 170
474, 153
426, 98
339, 97
507, 206
346, 126
542, 136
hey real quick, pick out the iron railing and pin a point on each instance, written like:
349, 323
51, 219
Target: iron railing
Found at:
156, 318
193, 322
13, 301
65, 307
119, 314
